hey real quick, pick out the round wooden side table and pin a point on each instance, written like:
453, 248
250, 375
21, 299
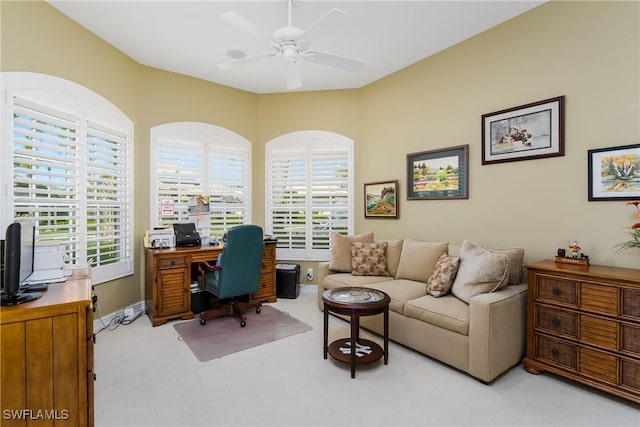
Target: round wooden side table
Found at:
355, 302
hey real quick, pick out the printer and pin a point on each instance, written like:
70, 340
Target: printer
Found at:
186, 234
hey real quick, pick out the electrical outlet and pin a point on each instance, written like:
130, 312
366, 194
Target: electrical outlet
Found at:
129, 313
309, 274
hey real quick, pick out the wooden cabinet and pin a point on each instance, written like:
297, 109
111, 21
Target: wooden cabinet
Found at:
584, 323
46, 356
169, 273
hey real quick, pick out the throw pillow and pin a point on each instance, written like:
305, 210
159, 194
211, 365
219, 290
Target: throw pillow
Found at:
341, 250
418, 259
440, 282
480, 271
368, 259
516, 261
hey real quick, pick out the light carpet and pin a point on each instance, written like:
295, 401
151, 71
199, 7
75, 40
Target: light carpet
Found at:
222, 336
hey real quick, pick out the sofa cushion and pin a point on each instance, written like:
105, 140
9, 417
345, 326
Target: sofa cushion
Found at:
369, 259
447, 312
341, 250
400, 291
418, 259
516, 260
480, 271
440, 282
394, 249
339, 280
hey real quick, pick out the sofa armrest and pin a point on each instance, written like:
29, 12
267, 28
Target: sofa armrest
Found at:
497, 331
323, 271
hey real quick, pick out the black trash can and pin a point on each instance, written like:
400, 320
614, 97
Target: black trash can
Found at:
287, 280
200, 301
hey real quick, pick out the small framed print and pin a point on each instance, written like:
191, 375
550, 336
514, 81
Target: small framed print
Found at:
614, 173
526, 132
380, 199
438, 174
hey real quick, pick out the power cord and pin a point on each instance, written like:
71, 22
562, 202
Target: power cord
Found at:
116, 320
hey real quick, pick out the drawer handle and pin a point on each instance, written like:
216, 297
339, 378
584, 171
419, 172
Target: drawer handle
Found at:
555, 291
555, 352
555, 322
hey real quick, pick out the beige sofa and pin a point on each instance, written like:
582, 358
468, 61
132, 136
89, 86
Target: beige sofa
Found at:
483, 336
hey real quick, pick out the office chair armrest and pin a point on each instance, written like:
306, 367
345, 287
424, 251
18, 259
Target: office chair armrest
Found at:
204, 267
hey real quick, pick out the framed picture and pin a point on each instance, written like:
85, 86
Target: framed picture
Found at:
530, 131
381, 199
438, 174
614, 173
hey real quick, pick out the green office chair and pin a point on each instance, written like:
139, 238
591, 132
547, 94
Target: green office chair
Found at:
235, 275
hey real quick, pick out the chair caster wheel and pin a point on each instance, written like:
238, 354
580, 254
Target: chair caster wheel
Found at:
258, 310
203, 321
243, 323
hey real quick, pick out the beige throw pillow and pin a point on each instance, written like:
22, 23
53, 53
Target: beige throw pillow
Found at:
480, 271
440, 282
418, 259
369, 259
516, 260
341, 250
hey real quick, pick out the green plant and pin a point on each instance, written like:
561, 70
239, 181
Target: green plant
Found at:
634, 232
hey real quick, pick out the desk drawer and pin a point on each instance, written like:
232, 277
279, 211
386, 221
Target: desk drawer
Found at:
172, 262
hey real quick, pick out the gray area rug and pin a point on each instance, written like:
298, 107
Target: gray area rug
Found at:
222, 336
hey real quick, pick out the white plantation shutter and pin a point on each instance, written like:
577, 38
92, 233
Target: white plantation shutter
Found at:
309, 177
67, 171
198, 159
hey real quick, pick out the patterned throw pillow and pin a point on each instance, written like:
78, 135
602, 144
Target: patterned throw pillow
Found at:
369, 259
440, 282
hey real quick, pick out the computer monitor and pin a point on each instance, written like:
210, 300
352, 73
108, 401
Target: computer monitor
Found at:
19, 249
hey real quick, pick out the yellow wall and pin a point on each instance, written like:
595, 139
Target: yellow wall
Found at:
587, 51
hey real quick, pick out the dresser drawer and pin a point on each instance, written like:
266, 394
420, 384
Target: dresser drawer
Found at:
556, 320
630, 374
630, 339
172, 262
557, 289
599, 365
557, 352
631, 303
599, 298
599, 332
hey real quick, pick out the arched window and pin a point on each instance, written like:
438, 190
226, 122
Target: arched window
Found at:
309, 192
67, 162
197, 163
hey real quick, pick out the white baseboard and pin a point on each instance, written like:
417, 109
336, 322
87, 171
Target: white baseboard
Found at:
100, 322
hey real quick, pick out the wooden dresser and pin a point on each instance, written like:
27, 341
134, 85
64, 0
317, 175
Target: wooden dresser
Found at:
583, 323
47, 357
169, 273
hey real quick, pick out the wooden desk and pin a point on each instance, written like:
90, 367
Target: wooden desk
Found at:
46, 355
169, 274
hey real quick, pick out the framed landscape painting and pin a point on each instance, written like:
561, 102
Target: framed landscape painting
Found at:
380, 199
614, 173
438, 174
525, 132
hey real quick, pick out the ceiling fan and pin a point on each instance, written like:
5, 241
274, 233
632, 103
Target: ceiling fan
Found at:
289, 43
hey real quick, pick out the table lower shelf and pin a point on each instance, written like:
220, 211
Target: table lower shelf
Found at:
361, 357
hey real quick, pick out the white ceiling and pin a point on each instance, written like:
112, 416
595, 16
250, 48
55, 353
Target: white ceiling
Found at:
188, 37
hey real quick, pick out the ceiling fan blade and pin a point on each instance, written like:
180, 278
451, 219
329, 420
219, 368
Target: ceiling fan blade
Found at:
230, 65
246, 25
334, 14
294, 80
344, 62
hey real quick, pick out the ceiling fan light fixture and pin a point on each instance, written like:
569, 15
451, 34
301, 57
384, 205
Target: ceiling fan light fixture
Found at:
236, 53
